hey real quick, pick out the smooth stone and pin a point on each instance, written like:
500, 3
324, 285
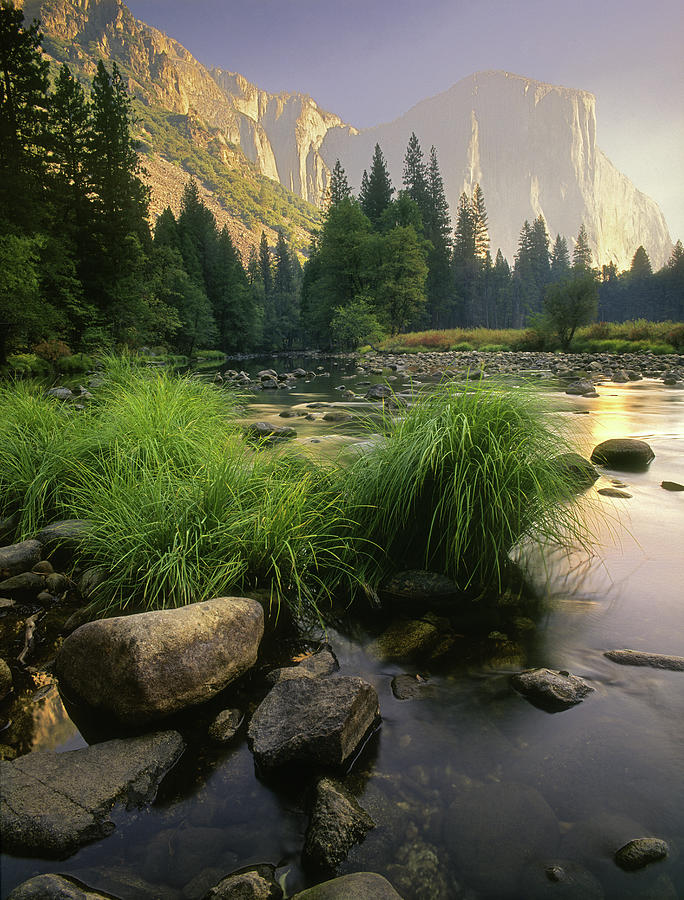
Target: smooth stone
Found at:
615, 492
581, 388
60, 393
65, 536
566, 879
623, 454
18, 558
313, 720
55, 887
578, 470
269, 431
225, 726
25, 583
672, 485
336, 824
44, 567
378, 392
54, 802
417, 586
337, 416
405, 639
255, 883
317, 665
358, 886
652, 660
549, 690
640, 852
411, 687
146, 666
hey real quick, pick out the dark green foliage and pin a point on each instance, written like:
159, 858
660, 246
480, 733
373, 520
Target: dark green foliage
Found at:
641, 265
338, 189
570, 304
415, 178
376, 189
438, 233
581, 254
560, 260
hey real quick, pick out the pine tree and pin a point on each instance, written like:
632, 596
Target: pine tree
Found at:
480, 224
560, 260
69, 121
338, 187
641, 265
23, 119
286, 299
265, 266
415, 179
465, 264
233, 306
439, 286
376, 189
581, 254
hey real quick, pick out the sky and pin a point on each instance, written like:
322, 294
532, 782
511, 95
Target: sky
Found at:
369, 61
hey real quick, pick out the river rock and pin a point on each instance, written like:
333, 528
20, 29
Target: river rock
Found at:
492, 829
549, 690
225, 726
24, 583
358, 886
615, 492
640, 852
561, 878
65, 536
672, 486
337, 823
411, 687
255, 883
652, 660
5, 679
60, 393
269, 431
323, 662
312, 720
407, 638
623, 454
379, 392
581, 389
418, 588
56, 887
578, 470
19, 558
337, 416
146, 666
54, 802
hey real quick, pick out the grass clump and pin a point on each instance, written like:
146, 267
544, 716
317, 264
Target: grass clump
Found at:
461, 480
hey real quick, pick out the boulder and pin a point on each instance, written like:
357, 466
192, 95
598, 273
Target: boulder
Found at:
260, 431
143, 667
578, 470
60, 393
640, 852
19, 558
56, 887
412, 687
225, 726
549, 690
337, 416
359, 886
255, 883
581, 389
312, 720
318, 664
408, 638
54, 802
65, 536
337, 822
652, 660
623, 454
25, 583
379, 392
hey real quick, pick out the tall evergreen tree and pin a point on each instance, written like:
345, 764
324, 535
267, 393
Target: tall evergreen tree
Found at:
560, 260
338, 187
480, 224
23, 119
286, 299
581, 254
641, 265
265, 266
415, 179
465, 263
376, 189
439, 287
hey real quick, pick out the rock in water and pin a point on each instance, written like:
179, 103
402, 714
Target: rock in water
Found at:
623, 454
55, 887
549, 690
337, 823
652, 660
146, 666
640, 852
579, 471
19, 558
312, 720
54, 802
255, 883
359, 886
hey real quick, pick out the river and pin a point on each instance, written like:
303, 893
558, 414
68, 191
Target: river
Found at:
475, 792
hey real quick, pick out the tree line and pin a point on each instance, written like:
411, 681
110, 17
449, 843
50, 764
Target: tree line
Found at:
79, 262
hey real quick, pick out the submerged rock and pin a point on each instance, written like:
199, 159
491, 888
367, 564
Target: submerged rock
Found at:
549, 690
652, 660
54, 802
640, 852
225, 726
56, 887
146, 666
578, 470
270, 432
19, 558
615, 492
672, 486
379, 392
337, 823
560, 878
359, 886
312, 720
255, 883
411, 687
623, 454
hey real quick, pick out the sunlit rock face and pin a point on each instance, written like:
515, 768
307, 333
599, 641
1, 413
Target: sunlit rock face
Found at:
532, 148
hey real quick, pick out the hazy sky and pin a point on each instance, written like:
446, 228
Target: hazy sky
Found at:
371, 60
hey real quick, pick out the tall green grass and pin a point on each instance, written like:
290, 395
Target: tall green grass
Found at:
462, 479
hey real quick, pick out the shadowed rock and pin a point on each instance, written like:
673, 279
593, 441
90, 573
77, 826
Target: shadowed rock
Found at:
54, 802
56, 887
549, 690
337, 823
359, 886
255, 883
623, 454
19, 558
640, 852
652, 660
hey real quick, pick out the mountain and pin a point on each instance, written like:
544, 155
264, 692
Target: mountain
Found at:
264, 159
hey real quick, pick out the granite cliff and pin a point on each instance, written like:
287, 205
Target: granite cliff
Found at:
531, 146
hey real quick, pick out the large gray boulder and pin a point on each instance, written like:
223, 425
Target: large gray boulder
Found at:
359, 886
66, 535
337, 823
623, 454
312, 720
53, 802
56, 887
143, 667
19, 558
549, 690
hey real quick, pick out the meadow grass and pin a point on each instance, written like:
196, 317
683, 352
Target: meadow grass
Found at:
184, 509
462, 479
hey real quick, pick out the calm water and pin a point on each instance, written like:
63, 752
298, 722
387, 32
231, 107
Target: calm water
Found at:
473, 789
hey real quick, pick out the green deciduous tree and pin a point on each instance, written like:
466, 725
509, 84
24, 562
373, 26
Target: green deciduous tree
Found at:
570, 304
401, 279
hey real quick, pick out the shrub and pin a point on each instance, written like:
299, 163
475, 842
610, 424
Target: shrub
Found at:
675, 337
72, 365
462, 347
27, 365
